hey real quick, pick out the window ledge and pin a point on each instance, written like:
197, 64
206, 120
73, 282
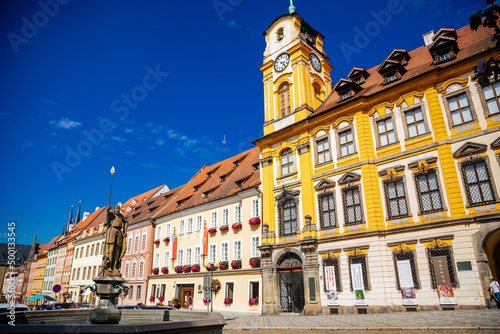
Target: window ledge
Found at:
388, 145
347, 156
453, 127
286, 175
486, 204
418, 136
323, 163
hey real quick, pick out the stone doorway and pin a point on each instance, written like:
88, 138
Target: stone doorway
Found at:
492, 250
291, 283
186, 291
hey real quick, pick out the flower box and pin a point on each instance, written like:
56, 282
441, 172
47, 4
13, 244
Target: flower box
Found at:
161, 299
236, 226
228, 301
152, 299
254, 221
195, 268
186, 269
156, 242
255, 262
253, 301
164, 270
178, 269
155, 271
224, 228
223, 265
167, 239
236, 264
212, 230
211, 267
206, 301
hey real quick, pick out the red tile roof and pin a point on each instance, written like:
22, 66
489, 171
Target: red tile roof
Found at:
217, 181
470, 43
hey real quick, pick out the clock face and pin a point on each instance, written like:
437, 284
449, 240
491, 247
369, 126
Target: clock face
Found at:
316, 63
281, 62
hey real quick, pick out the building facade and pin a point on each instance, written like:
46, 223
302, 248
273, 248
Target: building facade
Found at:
211, 227
50, 271
381, 194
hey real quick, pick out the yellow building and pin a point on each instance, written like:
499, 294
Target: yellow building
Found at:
212, 221
379, 194
39, 273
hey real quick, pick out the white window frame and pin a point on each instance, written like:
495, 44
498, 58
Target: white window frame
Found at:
182, 224
197, 255
255, 252
234, 290
213, 220
133, 270
140, 271
144, 239
225, 216
212, 248
189, 256
224, 254
237, 213
180, 257
166, 259
250, 288
235, 253
190, 225
158, 232
199, 222
168, 230
127, 268
157, 260
136, 242
255, 208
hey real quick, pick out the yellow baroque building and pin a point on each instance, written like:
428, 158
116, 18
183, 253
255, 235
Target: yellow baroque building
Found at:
380, 191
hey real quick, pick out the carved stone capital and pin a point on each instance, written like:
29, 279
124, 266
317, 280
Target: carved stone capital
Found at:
303, 148
267, 161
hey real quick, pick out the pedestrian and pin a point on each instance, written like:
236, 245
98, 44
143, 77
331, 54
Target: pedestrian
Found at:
495, 291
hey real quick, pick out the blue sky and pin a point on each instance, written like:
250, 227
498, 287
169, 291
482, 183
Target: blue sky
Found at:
151, 87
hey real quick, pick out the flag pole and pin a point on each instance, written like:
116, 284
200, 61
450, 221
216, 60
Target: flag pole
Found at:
111, 187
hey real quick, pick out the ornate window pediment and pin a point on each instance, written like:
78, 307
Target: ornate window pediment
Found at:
444, 46
346, 88
325, 183
496, 143
393, 67
349, 177
469, 148
358, 75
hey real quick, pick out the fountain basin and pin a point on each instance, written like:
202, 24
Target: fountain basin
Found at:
133, 321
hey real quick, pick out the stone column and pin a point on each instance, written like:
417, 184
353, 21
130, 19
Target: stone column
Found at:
270, 290
311, 268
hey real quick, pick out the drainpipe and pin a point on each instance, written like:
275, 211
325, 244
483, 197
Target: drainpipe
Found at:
261, 195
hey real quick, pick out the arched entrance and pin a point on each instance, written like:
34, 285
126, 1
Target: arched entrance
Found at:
291, 283
492, 250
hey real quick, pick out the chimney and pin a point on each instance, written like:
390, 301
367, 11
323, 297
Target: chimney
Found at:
86, 215
428, 37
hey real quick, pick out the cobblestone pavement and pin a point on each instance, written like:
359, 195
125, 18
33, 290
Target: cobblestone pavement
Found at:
452, 322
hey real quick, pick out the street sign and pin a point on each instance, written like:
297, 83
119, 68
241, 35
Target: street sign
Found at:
190, 300
56, 288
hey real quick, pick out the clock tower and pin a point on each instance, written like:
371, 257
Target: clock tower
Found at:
296, 71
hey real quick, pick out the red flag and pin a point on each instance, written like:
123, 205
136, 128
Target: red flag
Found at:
205, 241
174, 246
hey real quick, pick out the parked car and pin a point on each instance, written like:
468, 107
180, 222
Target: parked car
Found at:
56, 306
5, 308
169, 308
78, 305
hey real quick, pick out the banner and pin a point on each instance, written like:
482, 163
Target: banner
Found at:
443, 281
357, 283
331, 285
406, 282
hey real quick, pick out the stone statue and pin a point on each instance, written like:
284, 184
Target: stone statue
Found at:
116, 237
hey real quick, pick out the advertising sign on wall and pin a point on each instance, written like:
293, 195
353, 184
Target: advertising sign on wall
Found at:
331, 285
443, 281
357, 283
406, 282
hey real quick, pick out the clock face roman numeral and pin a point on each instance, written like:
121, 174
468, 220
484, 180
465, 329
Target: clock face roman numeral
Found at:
315, 62
281, 62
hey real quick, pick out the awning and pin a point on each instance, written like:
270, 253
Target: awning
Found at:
49, 298
34, 298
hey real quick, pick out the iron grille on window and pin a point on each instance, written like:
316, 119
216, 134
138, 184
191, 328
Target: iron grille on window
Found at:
327, 210
352, 205
395, 198
429, 196
477, 182
442, 251
334, 261
361, 258
406, 255
288, 216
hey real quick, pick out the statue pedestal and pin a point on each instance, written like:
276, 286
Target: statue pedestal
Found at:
106, 312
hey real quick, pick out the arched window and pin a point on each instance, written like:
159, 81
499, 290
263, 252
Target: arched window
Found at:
280, 34
284, 92
289, 217
287, 162
317, 91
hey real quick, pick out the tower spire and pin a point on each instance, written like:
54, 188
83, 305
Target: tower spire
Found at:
77, 218
70, 220
291, 9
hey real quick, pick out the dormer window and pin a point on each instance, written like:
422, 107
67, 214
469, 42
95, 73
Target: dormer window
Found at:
393, 67
444, 46
391, 78
358, 75
256, 167
346, 88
